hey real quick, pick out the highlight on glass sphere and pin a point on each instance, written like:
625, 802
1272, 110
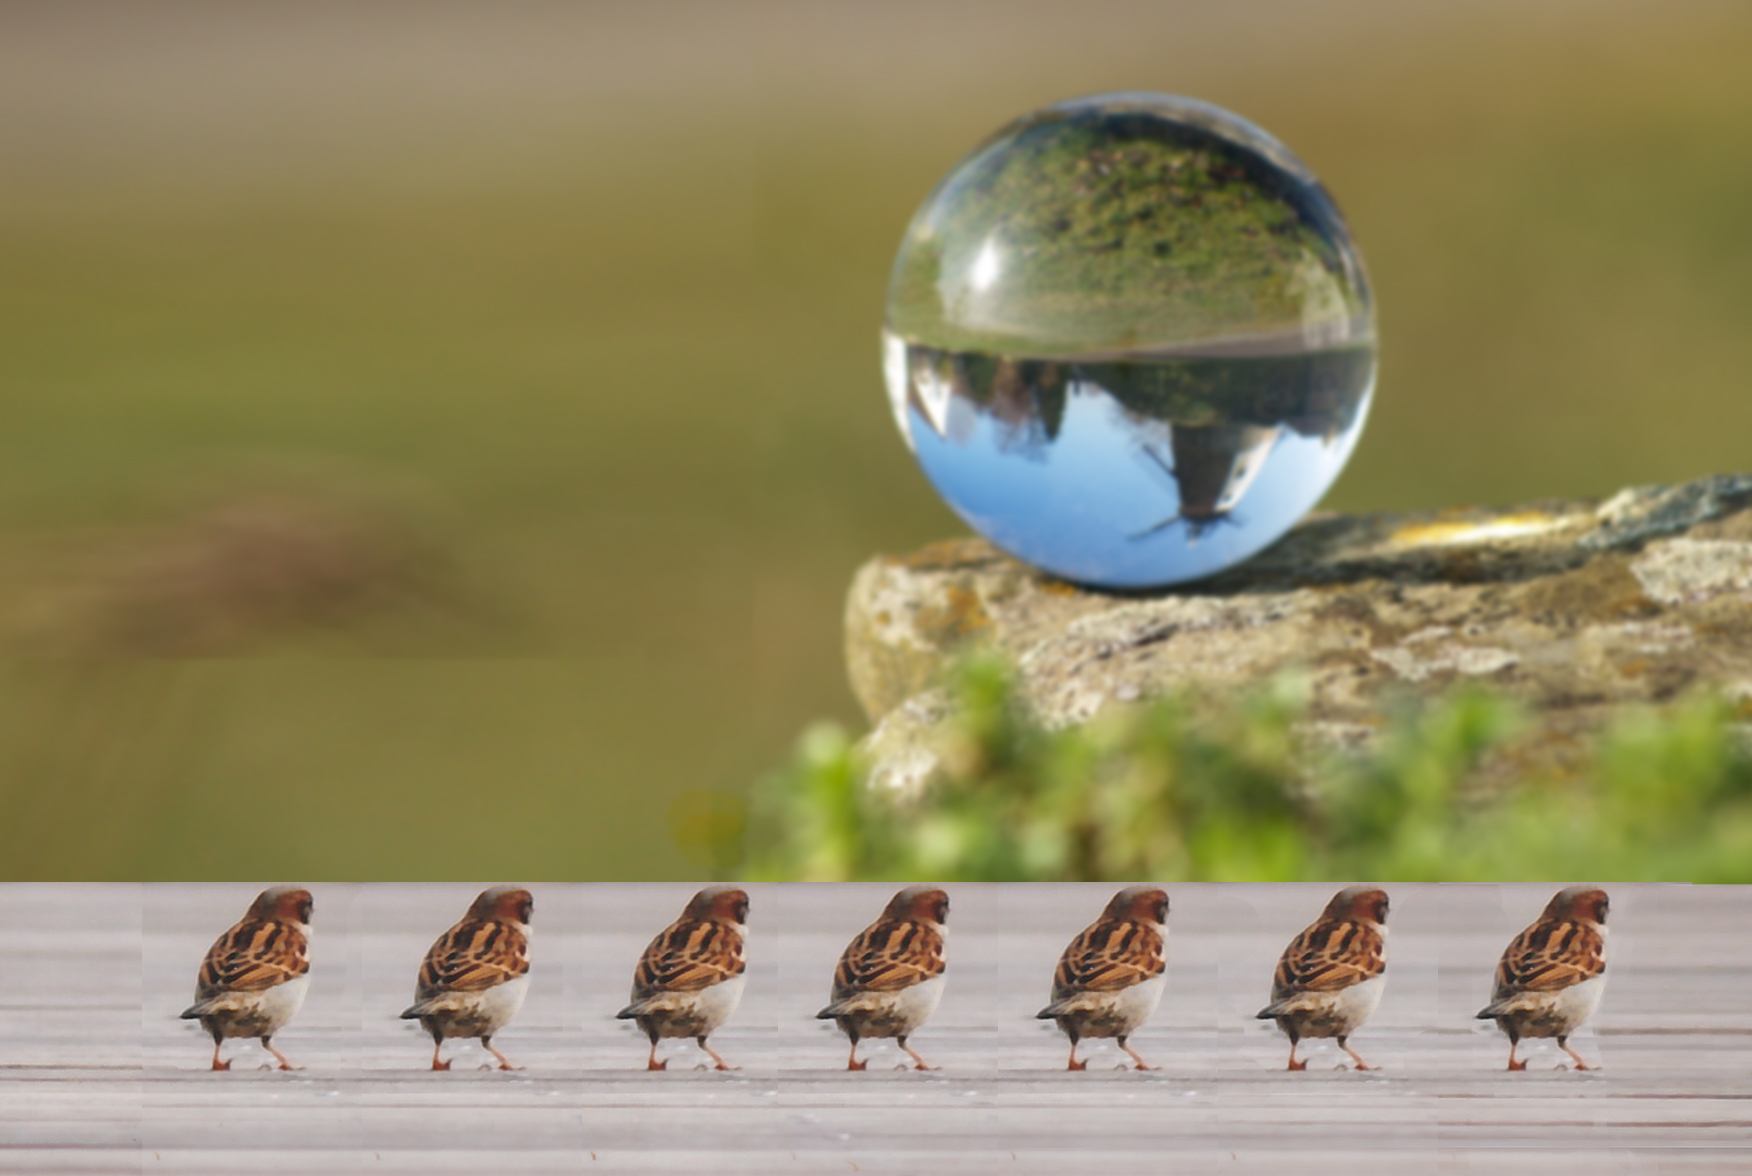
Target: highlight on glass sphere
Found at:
1129, 339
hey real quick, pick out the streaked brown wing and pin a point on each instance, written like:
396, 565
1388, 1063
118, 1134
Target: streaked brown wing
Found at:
1329, 956
252, 956
888, 956
473, 955
689, 955
1109, 956
1551, 955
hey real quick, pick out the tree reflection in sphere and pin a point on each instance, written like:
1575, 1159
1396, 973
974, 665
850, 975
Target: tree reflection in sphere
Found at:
1129, 339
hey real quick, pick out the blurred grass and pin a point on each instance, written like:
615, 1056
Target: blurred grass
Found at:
579, 308
1178, 790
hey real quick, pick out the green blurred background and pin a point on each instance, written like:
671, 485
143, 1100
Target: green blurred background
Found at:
435, 438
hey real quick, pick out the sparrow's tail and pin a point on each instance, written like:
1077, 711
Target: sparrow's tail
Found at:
207, 1006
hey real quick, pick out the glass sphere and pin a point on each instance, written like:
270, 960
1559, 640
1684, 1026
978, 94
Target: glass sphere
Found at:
1129, 339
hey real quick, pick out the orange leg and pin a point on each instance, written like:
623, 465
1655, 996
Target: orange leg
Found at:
1074, 1064
1563, 1044
650, 1028
852, 1062
1137, 1058
1355, 1056
918, 1062
285, 1062
718, 1063
505, 1063
438, 1044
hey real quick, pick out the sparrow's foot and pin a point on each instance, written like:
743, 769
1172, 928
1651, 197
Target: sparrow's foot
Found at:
219, 1065
857, 1065
718, 1062
1516, 1064
1297, 1065
438, 1065
1074, 1064
654, 1064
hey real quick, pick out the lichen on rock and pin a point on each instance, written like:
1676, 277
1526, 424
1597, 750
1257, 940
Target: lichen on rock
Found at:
1575, 609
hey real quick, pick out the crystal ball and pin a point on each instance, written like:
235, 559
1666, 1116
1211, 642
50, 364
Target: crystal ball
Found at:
1129, 339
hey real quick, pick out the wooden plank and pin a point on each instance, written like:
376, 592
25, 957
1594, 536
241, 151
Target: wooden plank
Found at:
97, 1073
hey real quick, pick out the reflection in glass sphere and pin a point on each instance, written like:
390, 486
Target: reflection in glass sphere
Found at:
1130, 340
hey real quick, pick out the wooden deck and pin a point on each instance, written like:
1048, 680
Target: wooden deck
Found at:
98, 1075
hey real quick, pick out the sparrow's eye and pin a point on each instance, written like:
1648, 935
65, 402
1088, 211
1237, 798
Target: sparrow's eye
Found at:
305, 911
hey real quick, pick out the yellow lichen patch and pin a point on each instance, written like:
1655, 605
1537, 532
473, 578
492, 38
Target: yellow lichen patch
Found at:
1637, 606
944, 555
957, 615
1450, 534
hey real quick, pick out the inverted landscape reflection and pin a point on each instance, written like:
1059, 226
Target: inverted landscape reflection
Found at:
1135, 471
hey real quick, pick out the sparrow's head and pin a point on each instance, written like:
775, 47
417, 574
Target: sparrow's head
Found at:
506, 904
924, 904
1365, 904
285, 904
719, 904
1143, 904
1581, 903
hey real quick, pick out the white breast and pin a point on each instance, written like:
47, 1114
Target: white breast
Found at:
280, 1004
1136, 1003
1356, 1003
893, 1014
715, 1004
913, 1005
1577, 1003
1112, 1014
500, 1003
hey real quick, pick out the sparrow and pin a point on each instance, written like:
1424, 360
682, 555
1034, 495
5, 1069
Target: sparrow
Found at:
474, 979
690, 978
255, 975
1330, 977
1552, 974
891, 976
1111, 977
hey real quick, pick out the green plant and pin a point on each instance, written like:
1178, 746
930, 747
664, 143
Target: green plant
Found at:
1452, 790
